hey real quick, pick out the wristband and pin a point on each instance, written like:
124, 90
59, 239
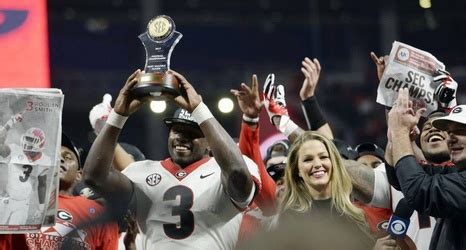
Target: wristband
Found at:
201, 113
287, 126
245, 204
314, 117
116, 120
248, 119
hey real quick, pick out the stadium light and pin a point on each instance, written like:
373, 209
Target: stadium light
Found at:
158, 106
425, 4
225, 105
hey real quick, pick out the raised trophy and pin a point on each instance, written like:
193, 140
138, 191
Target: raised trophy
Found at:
159, 41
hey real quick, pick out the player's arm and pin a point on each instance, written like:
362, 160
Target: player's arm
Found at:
236, 178
275, 105
363, 180
250, 104
370, 186
314, 117
98, 171
97, 117
5, 150
121, 158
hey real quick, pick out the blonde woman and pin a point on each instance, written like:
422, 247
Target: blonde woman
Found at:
317, 196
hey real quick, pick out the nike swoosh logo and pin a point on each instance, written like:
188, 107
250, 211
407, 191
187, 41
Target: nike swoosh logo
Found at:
207, 175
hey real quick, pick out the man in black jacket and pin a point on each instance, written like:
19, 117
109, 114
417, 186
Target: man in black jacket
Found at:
440, 193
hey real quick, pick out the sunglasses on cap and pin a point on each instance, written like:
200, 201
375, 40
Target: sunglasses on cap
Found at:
277, 171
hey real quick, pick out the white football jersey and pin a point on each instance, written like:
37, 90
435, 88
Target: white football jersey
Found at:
387, 197
23, 173
185, 208
4, 200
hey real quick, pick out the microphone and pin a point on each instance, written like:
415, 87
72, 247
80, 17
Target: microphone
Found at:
399, 222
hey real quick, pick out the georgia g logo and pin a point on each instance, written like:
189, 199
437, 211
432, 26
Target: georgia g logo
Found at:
383, 226
153, 179
11, 19
64, 215
457, 110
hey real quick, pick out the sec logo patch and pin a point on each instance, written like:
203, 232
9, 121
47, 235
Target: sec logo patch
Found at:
153, 179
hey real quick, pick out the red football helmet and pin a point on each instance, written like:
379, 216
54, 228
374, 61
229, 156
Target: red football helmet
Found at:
33, 140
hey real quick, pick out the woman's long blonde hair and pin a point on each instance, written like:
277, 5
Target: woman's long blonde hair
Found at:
296, 195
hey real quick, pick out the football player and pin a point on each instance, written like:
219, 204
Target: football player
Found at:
73, 215
27, 176
189, 200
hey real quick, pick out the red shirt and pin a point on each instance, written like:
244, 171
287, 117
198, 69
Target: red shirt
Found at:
265, 199
249, 146
72, 212
376, 217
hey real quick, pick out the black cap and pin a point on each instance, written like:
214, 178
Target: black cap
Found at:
78, 151
370, 149
274, 153
181, 116
345, 150
437, 113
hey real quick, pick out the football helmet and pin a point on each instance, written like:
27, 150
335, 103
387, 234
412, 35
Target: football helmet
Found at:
33, 140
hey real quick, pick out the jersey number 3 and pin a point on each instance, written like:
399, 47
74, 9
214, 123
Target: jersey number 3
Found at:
185, 226
27, 172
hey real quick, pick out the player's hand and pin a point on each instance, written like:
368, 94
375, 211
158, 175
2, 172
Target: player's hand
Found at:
445, 92
39, 212
380, 62
311, 71
126, 103
402, 117
99, 113
131, 232
274, 100
414, 133
188, 99
248, 98
17, 118
385, 243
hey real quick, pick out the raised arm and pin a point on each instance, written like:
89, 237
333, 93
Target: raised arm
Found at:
97, 117
5, 150
401, 119
275, 105
98, 171
314, 117
235, 174
250, 104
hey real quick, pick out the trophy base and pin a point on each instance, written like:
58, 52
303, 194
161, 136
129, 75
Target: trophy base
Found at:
156, 85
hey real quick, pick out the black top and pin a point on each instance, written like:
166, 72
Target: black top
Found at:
438, 194
323, 227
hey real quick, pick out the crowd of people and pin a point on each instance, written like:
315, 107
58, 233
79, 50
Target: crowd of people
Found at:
312, 191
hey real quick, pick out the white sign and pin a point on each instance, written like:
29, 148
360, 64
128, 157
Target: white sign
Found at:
30, 140
411, 68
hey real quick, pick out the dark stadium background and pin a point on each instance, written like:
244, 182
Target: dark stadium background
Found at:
94, 47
